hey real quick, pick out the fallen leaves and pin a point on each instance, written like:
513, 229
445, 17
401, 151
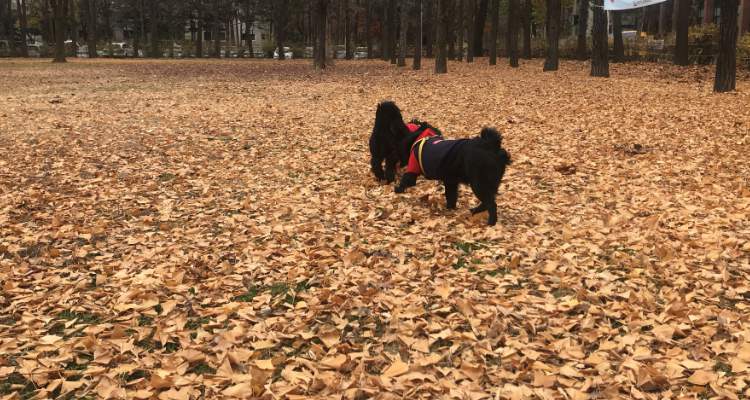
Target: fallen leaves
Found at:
207, 229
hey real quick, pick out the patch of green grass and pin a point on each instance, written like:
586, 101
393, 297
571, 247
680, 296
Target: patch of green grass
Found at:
129, 377
166, 176
721, 366
468, 247
85, 318
278, 288
16, 383
145, 320
195, 323
202, 369
248, 296
171, 347
562, 291
460, 263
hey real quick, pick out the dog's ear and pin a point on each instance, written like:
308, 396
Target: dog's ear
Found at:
491, 135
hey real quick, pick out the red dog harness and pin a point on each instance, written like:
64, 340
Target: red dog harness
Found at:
414, 165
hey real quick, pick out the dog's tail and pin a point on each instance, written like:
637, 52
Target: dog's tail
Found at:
492, 140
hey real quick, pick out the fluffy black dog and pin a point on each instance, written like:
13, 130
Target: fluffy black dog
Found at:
388, 132
479, 162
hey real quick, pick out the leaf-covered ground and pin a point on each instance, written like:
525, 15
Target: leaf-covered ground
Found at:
188, 229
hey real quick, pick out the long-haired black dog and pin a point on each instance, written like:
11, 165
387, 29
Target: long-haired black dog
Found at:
479, 162
388, 132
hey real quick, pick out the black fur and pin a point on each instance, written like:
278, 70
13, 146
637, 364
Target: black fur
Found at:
388, 132
480, 163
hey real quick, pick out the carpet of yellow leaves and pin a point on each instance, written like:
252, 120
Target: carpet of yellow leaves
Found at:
188, 229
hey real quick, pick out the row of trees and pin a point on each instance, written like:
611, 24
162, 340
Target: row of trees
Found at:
448, 29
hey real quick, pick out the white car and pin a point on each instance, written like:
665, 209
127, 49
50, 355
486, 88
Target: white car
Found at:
287, 53
360, 53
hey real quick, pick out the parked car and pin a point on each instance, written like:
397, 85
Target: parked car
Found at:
122, 49
339, 51
287, 53
5, 48
360, 53
34, 49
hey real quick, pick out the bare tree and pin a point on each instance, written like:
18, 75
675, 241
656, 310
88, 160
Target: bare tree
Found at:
600, 48
526, 22
682, 24
153, 21
402, 34
23, 24
60, 11
618, 50
513, 32
441, 61
583, 22
470, 27
553, 35
494, 21
320, 42
417, 62
726, 68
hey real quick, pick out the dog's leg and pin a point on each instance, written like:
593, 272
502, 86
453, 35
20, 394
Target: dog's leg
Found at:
408, 180
492, 208
480, 208
487, 197
390, 168
377, 167
451, 194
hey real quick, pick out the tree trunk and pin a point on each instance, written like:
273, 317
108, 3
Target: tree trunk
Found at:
526, 21
683, 21
675, 10
429, 23
480, 19
461, 28
441, 61
22, 22
663, 17
348, 20
583, 26
153, 21
59, 9
619, 47
708, 12
418, 37
249, 28
451, 28
368, 27
142, 15
392, 30
494, 21
90, 6
384, 35
600, 48
553, 35
470, 27
404, 24
199, 38
320, 42
513, 32
280, 18
726, 68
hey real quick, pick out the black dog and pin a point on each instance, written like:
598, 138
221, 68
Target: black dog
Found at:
479, 162
388, 132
